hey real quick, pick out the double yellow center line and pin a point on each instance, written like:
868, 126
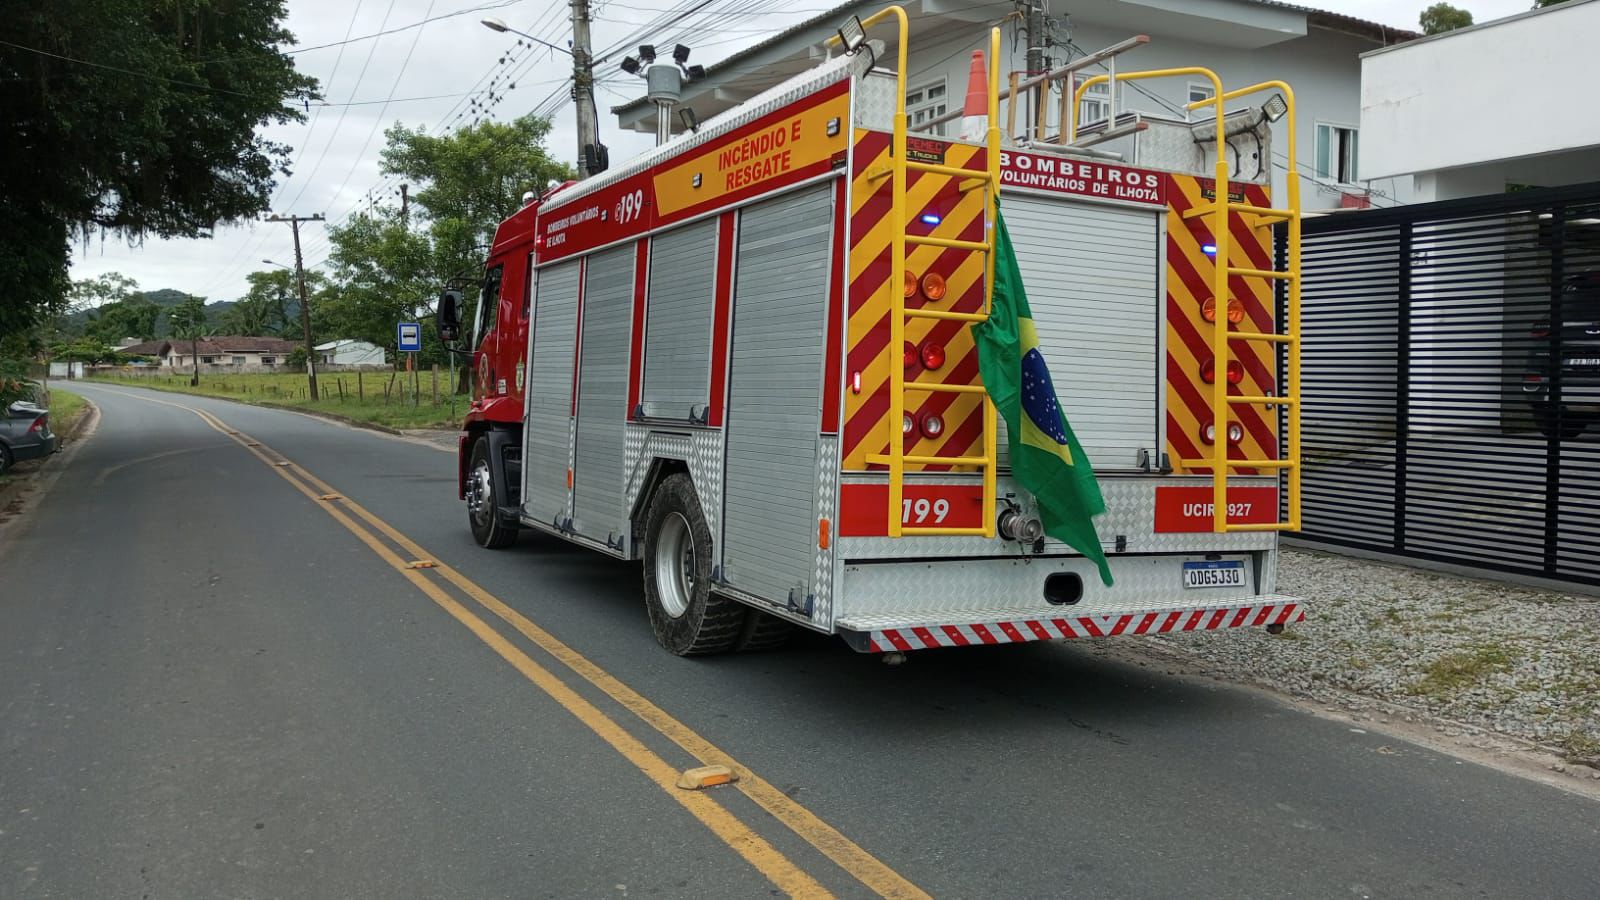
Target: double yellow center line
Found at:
739, 836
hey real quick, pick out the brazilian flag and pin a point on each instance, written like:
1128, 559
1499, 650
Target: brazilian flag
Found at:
1045, 457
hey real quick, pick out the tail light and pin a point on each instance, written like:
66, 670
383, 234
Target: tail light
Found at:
912, 358
1208, 371
932, 356
1208, 433
907, 424
911, 284
1208, 310
932, 425
933, 286
38, 424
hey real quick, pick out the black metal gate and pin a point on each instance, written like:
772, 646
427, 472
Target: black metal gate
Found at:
1451, 382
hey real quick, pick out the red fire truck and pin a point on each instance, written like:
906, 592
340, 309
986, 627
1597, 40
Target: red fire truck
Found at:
745, 359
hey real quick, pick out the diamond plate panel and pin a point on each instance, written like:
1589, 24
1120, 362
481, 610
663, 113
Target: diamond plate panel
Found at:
874, 101
700, 449
931, 591
827, 503
1170, 144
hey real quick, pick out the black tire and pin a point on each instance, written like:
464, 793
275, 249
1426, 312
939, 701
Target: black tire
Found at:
688, 619
484, 491
5, 459
763, 632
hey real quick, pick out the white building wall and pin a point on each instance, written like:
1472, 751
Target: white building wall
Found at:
1322, 68
1503, 90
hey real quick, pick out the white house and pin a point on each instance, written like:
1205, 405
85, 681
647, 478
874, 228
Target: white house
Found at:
349, 352
1245, 41
1469, 112
217, 353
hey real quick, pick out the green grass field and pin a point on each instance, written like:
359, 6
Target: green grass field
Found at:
382, 398
64, 407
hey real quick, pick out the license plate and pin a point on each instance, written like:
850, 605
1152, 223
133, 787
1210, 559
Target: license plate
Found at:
1213, 574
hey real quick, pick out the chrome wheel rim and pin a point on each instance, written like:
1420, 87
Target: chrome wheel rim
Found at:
480, 493
675, 564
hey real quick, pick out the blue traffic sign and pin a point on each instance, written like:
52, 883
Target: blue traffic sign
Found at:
410, 337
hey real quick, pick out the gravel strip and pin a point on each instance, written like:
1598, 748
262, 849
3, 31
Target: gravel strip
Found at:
1515, 660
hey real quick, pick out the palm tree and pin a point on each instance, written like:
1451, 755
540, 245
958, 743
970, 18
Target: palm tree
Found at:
189, 324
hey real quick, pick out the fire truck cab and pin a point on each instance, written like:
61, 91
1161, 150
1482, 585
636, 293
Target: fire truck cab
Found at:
745, 359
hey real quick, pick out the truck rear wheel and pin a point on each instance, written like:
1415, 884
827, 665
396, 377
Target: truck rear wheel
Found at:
689, 620
483, 501
763, 632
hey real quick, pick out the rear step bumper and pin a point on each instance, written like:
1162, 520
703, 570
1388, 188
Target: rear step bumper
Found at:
1263, 611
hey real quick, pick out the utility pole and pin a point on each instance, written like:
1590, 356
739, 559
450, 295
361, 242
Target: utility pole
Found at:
305, 307
592, 157
589, 148
1034, 25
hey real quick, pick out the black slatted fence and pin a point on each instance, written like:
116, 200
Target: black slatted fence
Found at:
1451, 382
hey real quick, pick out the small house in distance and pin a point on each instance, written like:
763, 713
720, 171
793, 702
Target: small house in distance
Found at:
349, 352
218, 353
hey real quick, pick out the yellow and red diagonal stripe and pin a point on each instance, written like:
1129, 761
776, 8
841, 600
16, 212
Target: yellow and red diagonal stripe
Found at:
950, 213
1189, 280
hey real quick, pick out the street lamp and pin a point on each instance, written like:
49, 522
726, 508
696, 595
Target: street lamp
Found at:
503, 28
278, 264
592, 156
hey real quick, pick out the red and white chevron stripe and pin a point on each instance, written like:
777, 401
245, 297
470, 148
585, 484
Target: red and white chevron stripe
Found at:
1155, 621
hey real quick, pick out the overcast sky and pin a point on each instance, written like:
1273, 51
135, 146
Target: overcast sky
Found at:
431, 76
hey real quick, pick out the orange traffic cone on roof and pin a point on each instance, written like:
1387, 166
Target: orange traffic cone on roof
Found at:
975, 114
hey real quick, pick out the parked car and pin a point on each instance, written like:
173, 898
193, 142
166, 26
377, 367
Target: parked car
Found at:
1579, 337
25, 434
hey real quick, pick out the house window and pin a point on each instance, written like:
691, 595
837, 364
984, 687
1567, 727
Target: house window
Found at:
1336, 153
208, 360
1096, 105
269, 360
1200, 91
926, 103
238, 360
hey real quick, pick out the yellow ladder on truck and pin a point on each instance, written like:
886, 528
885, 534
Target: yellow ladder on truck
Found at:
1220, 211
988, 179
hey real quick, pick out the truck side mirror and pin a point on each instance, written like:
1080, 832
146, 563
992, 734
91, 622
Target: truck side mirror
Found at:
449, 317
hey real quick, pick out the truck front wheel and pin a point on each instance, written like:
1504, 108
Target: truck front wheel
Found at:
483, 501
689, 620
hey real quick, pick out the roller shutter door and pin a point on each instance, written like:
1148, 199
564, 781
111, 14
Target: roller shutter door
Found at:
555, 326
603, 394
779, 317
1091, 273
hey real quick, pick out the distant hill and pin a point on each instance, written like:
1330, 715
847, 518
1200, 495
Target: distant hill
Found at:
166, 299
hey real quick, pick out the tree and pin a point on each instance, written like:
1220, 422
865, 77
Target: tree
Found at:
388, 269
189, 324
133, 118
1442, 17
272, 305
135, 317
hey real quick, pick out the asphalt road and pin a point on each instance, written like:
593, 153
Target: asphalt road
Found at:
211, 686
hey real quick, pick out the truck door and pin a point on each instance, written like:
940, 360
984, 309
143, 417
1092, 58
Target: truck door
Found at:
774, 396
